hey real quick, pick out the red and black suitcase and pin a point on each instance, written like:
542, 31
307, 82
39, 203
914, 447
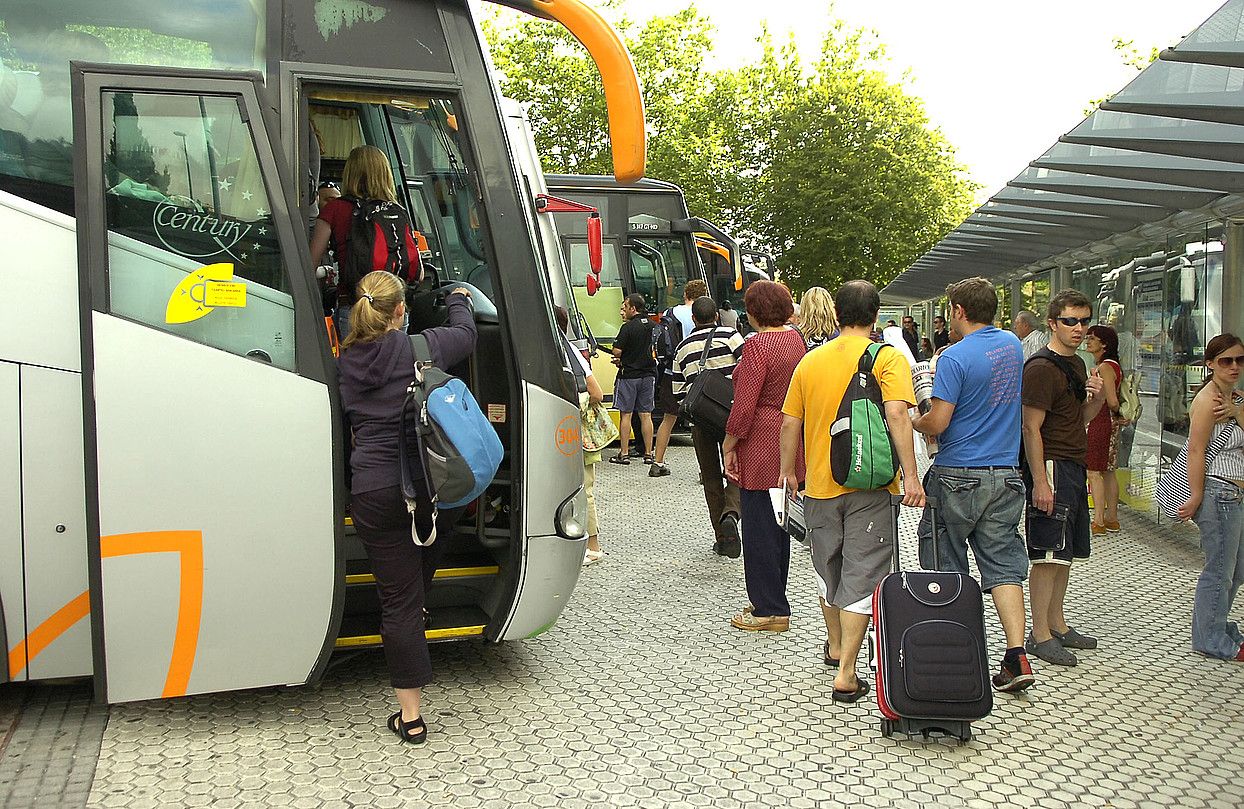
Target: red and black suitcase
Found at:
932, 665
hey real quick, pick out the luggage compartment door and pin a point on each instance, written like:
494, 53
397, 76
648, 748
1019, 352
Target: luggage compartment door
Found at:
212, 451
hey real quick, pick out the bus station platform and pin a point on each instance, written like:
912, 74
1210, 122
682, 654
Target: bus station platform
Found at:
643, 695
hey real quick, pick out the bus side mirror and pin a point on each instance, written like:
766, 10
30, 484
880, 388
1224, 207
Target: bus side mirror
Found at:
595, 244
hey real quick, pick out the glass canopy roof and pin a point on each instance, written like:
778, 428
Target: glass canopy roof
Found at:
1166, 146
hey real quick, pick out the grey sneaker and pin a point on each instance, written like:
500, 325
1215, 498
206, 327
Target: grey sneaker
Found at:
1072, 639
658, 470
1051, 651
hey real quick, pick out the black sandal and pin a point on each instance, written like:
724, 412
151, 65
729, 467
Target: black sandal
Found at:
620, 459
861, 689
415, 732
830, 661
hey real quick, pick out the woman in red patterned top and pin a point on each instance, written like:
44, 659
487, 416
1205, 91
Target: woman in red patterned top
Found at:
751, 451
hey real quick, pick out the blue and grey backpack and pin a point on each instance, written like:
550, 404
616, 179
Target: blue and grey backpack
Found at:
457, 452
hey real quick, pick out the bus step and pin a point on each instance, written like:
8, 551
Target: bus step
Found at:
441, 573
453, 565
448, 623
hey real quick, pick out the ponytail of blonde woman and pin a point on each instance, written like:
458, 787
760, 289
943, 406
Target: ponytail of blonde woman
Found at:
368, 175
379, 295
817, 318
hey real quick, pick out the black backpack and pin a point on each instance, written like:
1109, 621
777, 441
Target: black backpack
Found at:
380, 238
666, 335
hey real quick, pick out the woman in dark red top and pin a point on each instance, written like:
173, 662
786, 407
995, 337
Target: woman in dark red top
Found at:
751, 451
367, 175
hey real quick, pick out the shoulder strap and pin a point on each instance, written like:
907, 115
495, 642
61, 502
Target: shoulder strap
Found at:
708, 343
869, 358
1062, 364
422, 351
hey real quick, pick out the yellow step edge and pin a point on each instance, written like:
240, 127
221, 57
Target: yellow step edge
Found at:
444, 573
431, 634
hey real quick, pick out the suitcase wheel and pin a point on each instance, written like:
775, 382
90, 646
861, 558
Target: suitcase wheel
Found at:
887, 728
966, 735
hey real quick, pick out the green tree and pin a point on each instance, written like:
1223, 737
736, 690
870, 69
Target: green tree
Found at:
829, 165
858, 184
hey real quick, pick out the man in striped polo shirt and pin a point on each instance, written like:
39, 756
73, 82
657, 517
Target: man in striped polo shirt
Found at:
724, 353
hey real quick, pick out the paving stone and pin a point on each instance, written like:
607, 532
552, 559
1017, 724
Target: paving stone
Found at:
642, 695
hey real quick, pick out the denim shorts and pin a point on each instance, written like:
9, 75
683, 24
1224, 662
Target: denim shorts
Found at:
981, 508
634, 395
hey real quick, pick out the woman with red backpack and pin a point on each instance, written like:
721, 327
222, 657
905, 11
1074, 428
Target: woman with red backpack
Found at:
367, 229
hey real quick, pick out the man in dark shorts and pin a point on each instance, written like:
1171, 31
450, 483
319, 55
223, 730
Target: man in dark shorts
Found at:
1060, 398
637, 372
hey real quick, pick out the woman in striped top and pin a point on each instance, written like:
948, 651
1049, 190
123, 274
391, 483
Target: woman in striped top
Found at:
1217, 501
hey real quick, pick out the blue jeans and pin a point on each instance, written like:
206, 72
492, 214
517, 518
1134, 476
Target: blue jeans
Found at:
1221, 521
981, 508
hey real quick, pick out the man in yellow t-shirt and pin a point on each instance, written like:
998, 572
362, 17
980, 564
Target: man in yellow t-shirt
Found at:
851, 531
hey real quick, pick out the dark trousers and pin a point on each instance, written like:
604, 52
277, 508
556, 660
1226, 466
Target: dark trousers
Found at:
721, 495
766, 555
403, 572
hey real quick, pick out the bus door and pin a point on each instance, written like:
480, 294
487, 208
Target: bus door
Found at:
212, 449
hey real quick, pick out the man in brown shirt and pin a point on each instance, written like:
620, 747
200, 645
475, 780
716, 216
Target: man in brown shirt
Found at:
1059, 399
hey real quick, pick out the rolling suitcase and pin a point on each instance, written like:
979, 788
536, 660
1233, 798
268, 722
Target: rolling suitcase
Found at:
932, 667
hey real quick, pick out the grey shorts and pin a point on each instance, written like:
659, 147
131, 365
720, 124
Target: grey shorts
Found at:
633, 395
981, 508
852, 538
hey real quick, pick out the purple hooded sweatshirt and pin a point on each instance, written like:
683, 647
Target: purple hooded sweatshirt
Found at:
374, 377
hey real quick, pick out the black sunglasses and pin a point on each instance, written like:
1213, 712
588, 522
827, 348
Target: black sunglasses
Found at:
1071, 321
1229, 361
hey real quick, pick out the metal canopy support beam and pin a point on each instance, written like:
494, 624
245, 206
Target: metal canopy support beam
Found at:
1080, 184
1012, 197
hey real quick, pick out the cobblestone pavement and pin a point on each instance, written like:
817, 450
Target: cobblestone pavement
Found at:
49, 744
642, 695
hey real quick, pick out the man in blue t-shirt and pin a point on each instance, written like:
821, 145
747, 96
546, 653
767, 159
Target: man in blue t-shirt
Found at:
976, 413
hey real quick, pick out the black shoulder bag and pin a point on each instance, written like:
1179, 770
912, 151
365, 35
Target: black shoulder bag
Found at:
708, 401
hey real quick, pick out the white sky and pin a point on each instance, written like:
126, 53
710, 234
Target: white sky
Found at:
1002, 78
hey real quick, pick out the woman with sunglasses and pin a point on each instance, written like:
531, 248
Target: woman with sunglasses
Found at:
1215, 455
1103, 431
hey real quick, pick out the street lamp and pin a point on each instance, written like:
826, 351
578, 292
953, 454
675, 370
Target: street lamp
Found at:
185, 151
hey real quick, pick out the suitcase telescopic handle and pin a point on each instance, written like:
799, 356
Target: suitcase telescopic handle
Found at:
896, 502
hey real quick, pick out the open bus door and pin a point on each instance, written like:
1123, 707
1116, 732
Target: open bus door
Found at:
210, 419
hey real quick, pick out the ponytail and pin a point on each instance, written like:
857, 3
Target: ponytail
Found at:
379, 295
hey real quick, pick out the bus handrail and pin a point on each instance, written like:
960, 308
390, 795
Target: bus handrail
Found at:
623, 98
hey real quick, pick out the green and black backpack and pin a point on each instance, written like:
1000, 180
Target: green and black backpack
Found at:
861, 452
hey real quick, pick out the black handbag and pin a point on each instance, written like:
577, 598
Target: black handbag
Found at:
708, 401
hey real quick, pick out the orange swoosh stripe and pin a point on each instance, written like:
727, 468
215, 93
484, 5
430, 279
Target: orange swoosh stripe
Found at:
188, 545
43, 635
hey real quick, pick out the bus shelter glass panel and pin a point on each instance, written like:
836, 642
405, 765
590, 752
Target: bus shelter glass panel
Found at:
1035, 296
192, 249
38, 40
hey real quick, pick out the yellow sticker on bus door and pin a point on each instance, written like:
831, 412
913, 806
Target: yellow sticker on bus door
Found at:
202, 291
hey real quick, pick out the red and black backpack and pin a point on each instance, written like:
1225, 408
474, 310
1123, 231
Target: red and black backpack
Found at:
380, 238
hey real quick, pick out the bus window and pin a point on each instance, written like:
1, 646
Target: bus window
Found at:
673, 263
430, 148
38, 40
191, 245
649, 274
601, 309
